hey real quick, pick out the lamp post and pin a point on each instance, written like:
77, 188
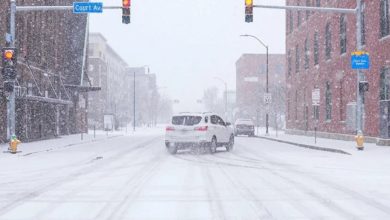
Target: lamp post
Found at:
266, 88
226, 96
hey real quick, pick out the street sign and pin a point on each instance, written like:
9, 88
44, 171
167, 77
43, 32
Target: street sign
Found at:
251, 79
360, 60
267, 98
315, 96
87, 7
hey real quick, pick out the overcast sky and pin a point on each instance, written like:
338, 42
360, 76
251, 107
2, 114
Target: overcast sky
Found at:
189, 42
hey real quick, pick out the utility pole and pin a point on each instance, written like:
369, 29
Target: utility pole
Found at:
266, 86
360, 75
11, 99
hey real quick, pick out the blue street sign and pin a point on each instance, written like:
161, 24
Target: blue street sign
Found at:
87, 7
360, 60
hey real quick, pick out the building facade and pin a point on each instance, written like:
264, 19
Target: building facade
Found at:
50, 63
106, 70
318, 48
251, 87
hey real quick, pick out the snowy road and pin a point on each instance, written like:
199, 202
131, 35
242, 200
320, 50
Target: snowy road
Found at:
135, 178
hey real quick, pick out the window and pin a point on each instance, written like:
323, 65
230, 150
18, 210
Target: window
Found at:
308, 12
328, 101
384, 84
289, 62
341, 103
296, 105
220, 121
316, 52
299, 17
343, 34
363, 23
186, 120
297, 59
306, 54
214, 119
318, 3
328, 41
291, 21
384, 18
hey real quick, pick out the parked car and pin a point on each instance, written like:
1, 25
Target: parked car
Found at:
198, 130
244, 127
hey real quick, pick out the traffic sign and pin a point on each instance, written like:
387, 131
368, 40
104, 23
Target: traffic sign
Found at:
87, 7
267, 98
360, 60
315, 97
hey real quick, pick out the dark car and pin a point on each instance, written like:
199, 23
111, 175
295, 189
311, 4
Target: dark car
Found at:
244, 127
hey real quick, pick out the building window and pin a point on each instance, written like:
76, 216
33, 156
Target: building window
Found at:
296, 105
328, 41
291, 21
384, 17
328, 101
341, 103
318, 3
363, 23
384, 87
299, 17
308, 4
289, 63
297, 59
316, 49
306, 54
343, 34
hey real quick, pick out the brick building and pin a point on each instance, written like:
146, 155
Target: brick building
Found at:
318, 48
251, 84
50, 63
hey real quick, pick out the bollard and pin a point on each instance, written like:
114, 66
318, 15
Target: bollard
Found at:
94, 131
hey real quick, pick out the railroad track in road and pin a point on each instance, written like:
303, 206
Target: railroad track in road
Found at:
31, 194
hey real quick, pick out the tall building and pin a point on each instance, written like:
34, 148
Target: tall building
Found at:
107, 70
251, 86
319, 47
50, 64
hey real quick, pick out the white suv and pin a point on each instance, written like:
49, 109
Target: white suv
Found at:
198, 130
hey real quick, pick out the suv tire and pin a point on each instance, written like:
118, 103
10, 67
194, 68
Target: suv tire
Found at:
229, 146
213, 146
172, 148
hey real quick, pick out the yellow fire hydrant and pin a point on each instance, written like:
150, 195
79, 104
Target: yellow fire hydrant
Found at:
13, 144
359, 141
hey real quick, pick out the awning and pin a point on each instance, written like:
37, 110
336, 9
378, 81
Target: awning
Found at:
45, 99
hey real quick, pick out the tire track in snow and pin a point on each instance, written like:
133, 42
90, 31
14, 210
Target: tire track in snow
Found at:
60, 181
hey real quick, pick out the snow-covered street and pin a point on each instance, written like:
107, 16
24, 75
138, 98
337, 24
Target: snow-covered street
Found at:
133, 177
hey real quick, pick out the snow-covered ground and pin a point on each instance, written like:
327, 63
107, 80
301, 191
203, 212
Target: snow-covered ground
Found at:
133, 177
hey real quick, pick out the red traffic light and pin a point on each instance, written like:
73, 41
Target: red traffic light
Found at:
126, 3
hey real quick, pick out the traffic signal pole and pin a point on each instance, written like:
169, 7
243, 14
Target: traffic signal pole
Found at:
11, 119
360, 75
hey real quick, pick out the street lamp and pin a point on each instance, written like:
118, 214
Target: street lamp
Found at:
226, 96
266, 88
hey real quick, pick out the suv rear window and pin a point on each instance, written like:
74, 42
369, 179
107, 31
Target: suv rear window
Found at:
186, 120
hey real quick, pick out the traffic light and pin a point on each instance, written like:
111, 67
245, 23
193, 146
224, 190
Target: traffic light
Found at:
126, 11
8, 57
248, 11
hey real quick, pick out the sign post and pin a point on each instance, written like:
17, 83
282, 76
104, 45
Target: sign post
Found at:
315, 97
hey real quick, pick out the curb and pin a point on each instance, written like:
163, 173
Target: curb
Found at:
332, 150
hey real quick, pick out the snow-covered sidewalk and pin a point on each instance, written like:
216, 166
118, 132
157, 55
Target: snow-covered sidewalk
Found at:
78, 139
332, 145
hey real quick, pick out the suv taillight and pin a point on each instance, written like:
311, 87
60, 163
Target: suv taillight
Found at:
169, 128
201, 128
